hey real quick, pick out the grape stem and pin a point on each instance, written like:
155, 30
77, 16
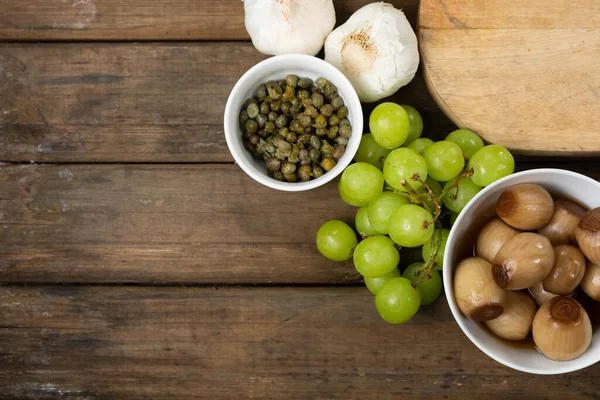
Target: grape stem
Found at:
431, 195
425, 271
467, 173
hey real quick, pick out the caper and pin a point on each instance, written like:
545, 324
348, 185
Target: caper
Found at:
345, 122
295, 156
317, 99
308, 129
345, 131
252, 110
326, 110
311, 111
342, 140
290, 177
303, 94
337, 102
303, 155
305, 120
305, 83
280, 156
300, 145
320, 82
327, 164
342, 112
281, 121
284, 148
304, 172
331, 134
334, 130
251, 126
329, 90
321, 131
254, 139
275, 105
320, 121
289, 93
284, 131
249, 147
247, 135
262, 120
288, 168
250, 101
273, 164
269, 148
285, 107
296, 126
295, 109
334, 120
264, 109
291, 137
244, 116
261, 92
326, 147
274, 90
338, 152
314, 155
270, 127
315, 142
278, 175
291, 80
273, 116
304, 138
317, 172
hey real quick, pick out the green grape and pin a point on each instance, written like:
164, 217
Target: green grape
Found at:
453, 216
468, 141
490, 164
381, 208
429, 247
389, 124
411, 226
419, 145
374, 284
375, 256
435, 187
466, 191
360, 183
397, 301
401, 165
363, 224
370, 152
430, 287
416, 123
336, 240
445, 160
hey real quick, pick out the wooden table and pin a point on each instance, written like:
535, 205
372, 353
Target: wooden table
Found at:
137, 261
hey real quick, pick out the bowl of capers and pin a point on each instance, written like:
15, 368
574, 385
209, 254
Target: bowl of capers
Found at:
293, 122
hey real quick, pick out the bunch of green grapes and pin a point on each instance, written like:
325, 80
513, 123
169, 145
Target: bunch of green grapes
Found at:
405, 186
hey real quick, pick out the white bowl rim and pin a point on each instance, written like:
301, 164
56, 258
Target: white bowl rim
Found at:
448, 276
352, 102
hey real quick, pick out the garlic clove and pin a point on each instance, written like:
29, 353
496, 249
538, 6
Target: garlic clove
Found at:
562, 329
289, 26
562, 225
588, 235
567, 271
591, 281
492, 237
523, 261
515, 322
376, 49
477, 295
525, 206
540, 294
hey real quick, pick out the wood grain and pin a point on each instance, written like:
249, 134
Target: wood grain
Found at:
140, 19
265, 343
153, 223
532, 87
144, 102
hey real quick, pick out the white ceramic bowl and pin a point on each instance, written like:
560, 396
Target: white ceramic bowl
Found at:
277, 68
566, 184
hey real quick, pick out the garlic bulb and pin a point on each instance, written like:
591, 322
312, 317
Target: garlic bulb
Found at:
515, 322
376, 49
289, 26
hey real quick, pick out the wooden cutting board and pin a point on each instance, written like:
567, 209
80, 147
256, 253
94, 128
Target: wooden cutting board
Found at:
524, 74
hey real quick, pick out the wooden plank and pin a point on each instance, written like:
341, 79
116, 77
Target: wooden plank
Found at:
144, 102
153, 223
140, 19
166, 223
266, 343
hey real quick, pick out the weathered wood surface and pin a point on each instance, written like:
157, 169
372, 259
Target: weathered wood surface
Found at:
141, 19
264, 343
133, 102
166, 223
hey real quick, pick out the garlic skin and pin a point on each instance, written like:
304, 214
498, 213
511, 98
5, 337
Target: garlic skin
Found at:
376, 49
289, 26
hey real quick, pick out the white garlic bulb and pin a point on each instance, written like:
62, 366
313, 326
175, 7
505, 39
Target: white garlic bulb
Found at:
376, 49
289, 26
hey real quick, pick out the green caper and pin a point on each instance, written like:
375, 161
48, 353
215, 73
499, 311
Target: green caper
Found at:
275, 105
320, 82
303, 155
334, 120
341, 140
305, 83
329, 90
300, 145
338, 152
342, 112
317, 172
333, 130
264, 108
244, 116
337, 102
261, 92
345, 122
269, 148
311, 111
295, 109
289, 93
252, 110
308, 129
303, 95
296, 126
273, 164
314, 155
262, 120
304, 172
326, 110
285, 107
270, 127
250, 101
284, 131
331, 134
315, 142
317, 99
321, 131
291, 137
273, 116
320, 121
345, 131
278, 175
281, 121
305, 120
290, 177
291, 80
326, 148
251, 126
284, 148
327, 164
274, 90
288, 168
254, 139
294, 158
304, 138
